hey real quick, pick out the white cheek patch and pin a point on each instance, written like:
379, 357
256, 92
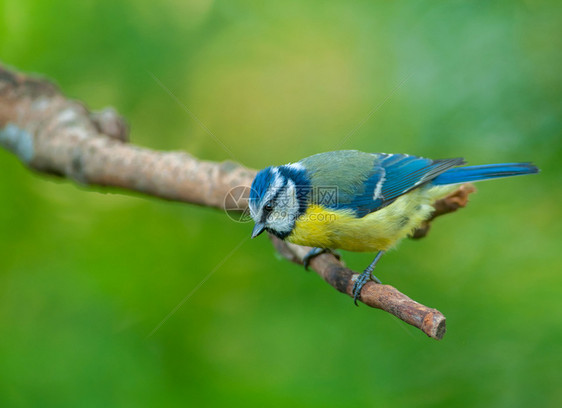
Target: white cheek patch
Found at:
286, 201
286, 210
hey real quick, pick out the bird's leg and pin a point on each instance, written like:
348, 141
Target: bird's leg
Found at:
314, 252
364, 278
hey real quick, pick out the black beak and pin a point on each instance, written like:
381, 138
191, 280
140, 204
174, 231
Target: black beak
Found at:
258, 229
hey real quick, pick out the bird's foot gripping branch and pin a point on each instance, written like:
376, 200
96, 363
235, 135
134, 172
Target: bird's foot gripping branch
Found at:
53, 134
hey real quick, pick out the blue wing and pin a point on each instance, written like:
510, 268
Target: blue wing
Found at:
392, 176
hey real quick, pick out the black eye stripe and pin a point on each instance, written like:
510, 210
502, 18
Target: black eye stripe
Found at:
271, 203
276, 196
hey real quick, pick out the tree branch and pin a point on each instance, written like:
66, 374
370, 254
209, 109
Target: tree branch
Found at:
56, 135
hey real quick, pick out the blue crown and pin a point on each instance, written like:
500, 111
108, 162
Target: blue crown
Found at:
261, 184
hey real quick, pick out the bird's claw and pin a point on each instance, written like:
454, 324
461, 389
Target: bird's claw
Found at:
360, 282
314, 252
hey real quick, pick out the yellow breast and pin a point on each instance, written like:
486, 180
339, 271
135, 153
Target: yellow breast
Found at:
379, 230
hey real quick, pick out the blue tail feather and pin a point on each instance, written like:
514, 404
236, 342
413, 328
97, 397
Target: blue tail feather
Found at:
484, 172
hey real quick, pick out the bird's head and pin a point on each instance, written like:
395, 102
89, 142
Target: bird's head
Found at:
277, 199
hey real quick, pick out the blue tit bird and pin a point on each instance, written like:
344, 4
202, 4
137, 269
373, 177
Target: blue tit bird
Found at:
355, 201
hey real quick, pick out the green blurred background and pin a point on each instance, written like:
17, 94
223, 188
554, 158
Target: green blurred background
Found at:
86, 274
